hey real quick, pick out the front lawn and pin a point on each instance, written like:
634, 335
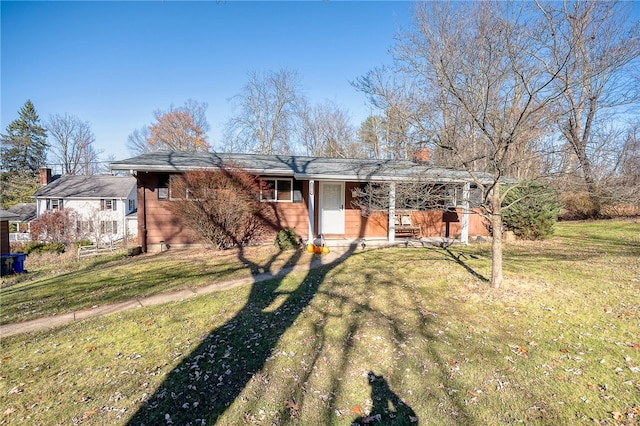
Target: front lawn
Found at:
393, 336
51, 287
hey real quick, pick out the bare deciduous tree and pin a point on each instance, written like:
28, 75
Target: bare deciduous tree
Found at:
137, 141
325, 131
624, 181
394, 96
479, 91
72, 144
268, 112
598, 78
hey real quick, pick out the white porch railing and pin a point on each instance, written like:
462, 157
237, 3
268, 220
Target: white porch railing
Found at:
19, 237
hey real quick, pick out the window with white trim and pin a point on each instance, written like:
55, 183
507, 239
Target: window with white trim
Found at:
163, 187
277, 190
85, 226
108, 226
54, 204
108, 204
178, 190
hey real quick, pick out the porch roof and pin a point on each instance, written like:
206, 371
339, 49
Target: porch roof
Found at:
26, 212
299, 167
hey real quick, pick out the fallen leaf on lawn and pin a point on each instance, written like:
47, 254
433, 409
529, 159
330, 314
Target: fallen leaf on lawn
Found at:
357, 409
635, 346
149, 321
293, 409
6, 358
292, 405
91, 348
89, 414
470, 392
520, 351
564, 351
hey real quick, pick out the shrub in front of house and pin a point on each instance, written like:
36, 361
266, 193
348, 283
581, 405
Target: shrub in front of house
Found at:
530, 210
222, 207
82, 243
56, 226
286, 239
40, 247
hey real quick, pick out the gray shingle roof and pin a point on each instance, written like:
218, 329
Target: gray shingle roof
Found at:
26, 211
88, 187
7, 215
299, 167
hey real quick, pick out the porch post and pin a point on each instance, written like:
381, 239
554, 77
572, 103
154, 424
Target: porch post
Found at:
392, 213
464, 232
311, 209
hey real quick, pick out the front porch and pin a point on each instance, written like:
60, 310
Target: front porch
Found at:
345, 223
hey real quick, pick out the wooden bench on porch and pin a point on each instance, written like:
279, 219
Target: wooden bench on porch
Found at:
404, 226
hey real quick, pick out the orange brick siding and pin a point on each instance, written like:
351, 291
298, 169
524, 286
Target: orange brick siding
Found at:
156, 222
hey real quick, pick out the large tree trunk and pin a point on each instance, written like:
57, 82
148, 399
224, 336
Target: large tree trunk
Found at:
496, 244
590, 181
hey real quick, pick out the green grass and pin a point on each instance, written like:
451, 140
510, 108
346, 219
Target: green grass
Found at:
56, 284
405, 336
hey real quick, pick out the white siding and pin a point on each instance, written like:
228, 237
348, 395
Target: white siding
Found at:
90, 211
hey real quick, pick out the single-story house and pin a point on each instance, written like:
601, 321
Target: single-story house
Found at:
20, 228
313, 196
5, 217
6, 258
103, 204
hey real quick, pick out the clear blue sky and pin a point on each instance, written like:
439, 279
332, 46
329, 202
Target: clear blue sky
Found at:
114, 63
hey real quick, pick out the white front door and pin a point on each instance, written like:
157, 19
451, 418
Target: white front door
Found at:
331, 207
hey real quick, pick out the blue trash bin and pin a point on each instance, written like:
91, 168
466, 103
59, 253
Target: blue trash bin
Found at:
18, 262
6, 265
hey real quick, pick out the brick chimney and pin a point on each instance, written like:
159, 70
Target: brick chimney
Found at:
45, 175
422, 155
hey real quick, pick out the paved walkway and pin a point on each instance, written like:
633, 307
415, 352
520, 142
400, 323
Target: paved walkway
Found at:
337, 255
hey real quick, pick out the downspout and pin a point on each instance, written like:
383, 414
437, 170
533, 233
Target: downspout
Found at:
143, 214
311, 209
392, 213
464, 232
124, 220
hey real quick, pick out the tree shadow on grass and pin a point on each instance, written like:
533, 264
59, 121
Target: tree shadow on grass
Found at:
388, 408
459, 261
211, 377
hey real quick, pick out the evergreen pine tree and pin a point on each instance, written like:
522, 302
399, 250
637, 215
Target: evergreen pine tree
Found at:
24, 146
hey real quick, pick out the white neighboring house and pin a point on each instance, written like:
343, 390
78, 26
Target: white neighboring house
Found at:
105, 205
